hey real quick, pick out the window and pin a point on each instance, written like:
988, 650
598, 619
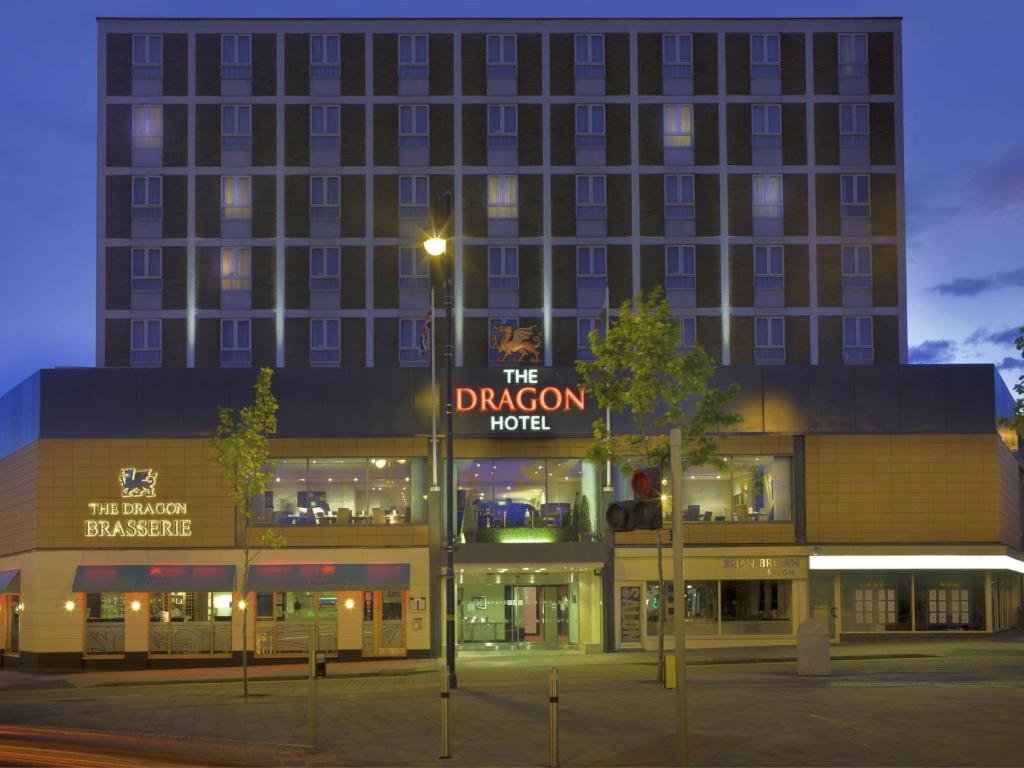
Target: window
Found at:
412, 197
145, 342
769, 340
764, 56
687, 332
147, 196
590, 197
325, 341
324, 126
584, 325
742, 489
590, 125
413, 125
501, 126
680, 267
324, 269
324, 56
858, 346
766, 125
189, 622
856, 266
413, 269
591, 267
853, 55
324, 197
855, 195
146, 269
236, 197
501, 55
678, 125
679, 197
503, 268
235, 269
767, 197
853, 125
147, 57
411, 340
677, 55
412, 55
767, 266
147, 126
502, 197
236, 127
104, 622
235, 57
235, 342
589, 56
757, 607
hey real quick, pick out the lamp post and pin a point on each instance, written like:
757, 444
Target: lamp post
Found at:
436, 246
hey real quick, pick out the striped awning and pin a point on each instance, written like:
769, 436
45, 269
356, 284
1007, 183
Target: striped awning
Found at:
154, 578
10, 581
281, 577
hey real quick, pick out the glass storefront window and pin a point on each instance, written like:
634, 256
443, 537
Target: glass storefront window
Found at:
701, 611
876, 602
104, 622
285, 621
756, 607
745, 489
949, 601
189, 622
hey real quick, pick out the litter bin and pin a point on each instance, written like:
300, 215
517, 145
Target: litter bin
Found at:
321, 663
813, 650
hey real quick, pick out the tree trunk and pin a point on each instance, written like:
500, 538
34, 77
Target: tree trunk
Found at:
662, 604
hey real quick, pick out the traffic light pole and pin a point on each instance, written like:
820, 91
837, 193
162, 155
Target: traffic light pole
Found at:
679, 590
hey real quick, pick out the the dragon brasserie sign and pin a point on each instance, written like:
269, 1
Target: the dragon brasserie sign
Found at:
522, 403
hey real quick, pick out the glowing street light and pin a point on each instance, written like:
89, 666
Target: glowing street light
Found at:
435, 245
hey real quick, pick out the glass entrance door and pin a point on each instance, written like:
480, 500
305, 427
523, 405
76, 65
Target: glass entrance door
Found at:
823, 601
540, 615
384, 623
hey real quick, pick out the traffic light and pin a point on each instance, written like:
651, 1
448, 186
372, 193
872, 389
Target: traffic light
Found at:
644, 511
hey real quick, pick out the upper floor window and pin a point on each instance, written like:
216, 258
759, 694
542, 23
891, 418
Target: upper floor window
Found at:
324, 56
590, 125
501, 55
235, 56
766, 125
325, 341
412, 55
147, 56
324, 126
856, 266
591, 267
147, 269
591, 200
767, 197
769, 339
858, 345
680, 267
412, 197
687, 332
740, 489
236, 126
324, 269
679, 201
589, 55
678, 125
147, 126
413, 269
235, 269
853, 55
855, 194
502, 197
853, 125
764, 56
677, 55
324, 197
236, 197
147, 197
413, 125
767, 266
501, 126
235, 342
584, 326
146, 347
412, 340
503, 268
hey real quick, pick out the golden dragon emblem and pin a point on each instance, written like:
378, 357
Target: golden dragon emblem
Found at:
523, 342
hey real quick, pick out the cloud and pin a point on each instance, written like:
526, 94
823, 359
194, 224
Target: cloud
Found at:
933, 351
1001, 338
1011, 364
972, 286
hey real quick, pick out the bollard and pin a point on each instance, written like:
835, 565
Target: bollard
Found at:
312, 716
445, 753
553, 714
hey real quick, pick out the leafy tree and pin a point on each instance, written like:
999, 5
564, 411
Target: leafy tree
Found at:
1016, 422
239, 447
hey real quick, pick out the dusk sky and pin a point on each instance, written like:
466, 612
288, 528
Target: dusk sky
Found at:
964, 157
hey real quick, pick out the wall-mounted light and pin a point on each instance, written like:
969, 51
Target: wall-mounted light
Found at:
69, 606
349, 603
136, 606
241, 605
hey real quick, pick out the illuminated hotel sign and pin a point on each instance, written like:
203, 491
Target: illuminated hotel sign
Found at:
522, 404
138, 519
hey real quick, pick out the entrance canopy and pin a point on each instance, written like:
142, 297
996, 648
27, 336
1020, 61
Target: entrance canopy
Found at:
328, 576
154, 578
10, 580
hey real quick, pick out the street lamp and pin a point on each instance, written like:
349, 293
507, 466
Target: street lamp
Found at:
436, 246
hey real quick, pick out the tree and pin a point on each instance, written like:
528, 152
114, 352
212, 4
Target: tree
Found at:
1016, 422
239, 447
639, 371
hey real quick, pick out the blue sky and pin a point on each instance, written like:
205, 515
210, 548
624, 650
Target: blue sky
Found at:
964, 157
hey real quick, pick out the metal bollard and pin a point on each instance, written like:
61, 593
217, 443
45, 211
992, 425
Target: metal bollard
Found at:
445, 753
313, 737
553, 714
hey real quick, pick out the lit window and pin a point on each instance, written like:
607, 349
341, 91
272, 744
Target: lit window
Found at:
764, 56
584, 325
853, 55
324, 56
767, 197
324, 269
687, 332
853, 125
591, 267
503, 268
413, 125
856, 266
858, 345
677, 55
147, 126
236, 127
236, 57
501, 126
145, 349
325, 341
412, 197
855, 195
590, 125
413, 269
502, 197
235, 269
146, 269
324, 126
589, 56
324, 197
412, 55
591, 202
678, 125
679, 197
769, 340
501, 55
236, 197
147, 196
680, 267
235, 342
147, 57
766, 125
767, 266
412, 341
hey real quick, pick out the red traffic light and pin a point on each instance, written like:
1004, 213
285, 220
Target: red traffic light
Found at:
646, 483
